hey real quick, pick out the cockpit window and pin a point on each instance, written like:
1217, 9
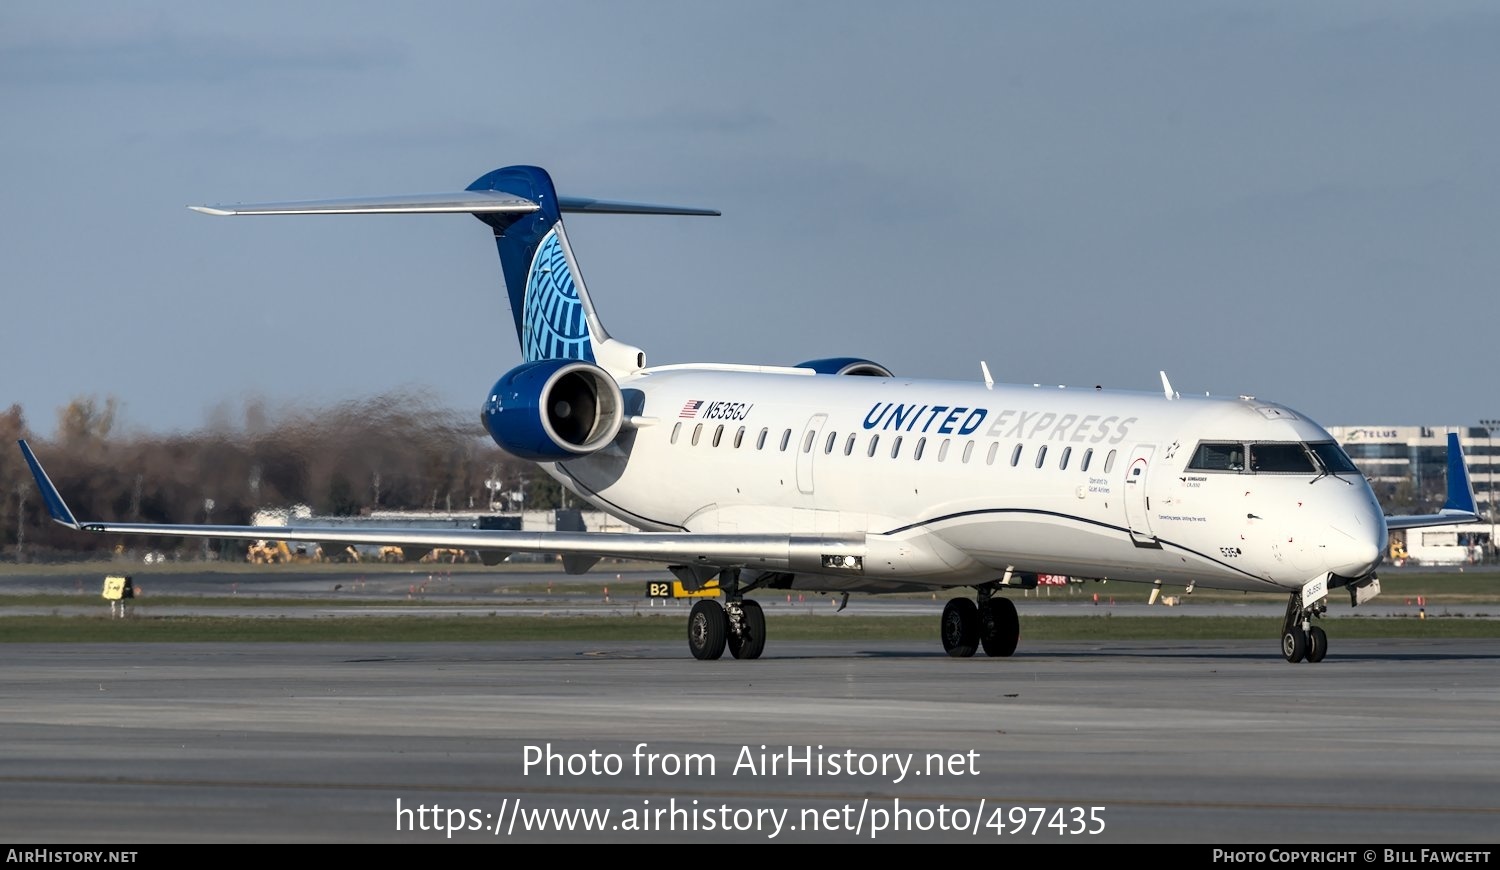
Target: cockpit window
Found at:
1218, 457
1280, 457
1271, 457
1334, 459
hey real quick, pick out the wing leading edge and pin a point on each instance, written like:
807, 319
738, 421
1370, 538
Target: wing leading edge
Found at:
763, 552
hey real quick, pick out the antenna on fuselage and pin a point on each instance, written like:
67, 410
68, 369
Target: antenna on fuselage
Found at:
1166, 387
989, 382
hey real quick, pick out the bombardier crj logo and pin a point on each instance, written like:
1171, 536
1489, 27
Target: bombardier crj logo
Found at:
1092, 428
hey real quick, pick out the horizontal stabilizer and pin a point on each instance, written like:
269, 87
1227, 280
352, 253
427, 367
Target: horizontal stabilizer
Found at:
554, 316
604, 206
466, 202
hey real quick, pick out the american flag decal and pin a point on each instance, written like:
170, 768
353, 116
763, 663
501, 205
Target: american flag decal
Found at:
691, 409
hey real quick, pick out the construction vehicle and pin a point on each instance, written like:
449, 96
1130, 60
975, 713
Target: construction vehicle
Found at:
278, 553
1398, 554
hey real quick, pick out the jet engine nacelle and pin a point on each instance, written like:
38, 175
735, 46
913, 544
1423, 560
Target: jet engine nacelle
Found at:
554, 410
847, 365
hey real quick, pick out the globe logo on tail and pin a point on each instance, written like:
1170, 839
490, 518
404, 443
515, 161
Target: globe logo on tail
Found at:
556, 326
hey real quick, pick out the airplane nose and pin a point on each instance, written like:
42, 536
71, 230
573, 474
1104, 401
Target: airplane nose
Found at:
1351, 555
1356, 543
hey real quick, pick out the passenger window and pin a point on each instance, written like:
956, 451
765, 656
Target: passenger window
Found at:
676, 430
1041, 455
1087, 455
921, 444
760, 441
718, 434
697, 433
849, 445
874, 440
1109, 462
786, 439
896, 447
994, 449
1067, 452
968, 451
832, 437
1015, 456
943, 450
738, 437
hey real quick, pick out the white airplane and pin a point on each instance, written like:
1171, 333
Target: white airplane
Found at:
836, 475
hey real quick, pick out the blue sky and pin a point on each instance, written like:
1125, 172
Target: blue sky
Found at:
1295, 201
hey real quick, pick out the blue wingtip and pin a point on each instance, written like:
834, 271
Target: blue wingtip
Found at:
55, 505
1460, 490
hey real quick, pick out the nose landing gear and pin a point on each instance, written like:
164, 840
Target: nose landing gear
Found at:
1300, 639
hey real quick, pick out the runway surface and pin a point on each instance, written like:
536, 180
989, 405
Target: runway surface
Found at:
1215, 743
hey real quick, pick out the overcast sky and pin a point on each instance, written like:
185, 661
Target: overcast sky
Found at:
1296, 201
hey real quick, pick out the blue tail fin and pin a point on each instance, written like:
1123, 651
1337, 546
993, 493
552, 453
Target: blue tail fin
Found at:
554, 318
1460, 489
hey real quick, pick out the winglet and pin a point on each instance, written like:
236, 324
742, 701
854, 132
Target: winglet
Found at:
1460, 489
55, 504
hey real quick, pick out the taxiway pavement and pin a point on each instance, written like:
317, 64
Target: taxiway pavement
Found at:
1186, 742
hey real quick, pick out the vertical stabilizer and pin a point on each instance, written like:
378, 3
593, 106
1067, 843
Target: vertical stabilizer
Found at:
554, 318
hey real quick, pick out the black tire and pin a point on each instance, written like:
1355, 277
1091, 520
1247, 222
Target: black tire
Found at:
1003, 629
960, 628
1294, 645
753, 642
1317, 644
707, 629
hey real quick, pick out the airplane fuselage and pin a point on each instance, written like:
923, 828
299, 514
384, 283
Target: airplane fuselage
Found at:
950, 483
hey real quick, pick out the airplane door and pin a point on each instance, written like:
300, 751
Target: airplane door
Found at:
1137, 500
807, 448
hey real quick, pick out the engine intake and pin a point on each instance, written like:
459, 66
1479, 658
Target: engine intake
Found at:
554, 410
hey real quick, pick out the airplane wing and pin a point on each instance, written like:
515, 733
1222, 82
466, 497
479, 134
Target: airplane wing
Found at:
1460, 506
705, 553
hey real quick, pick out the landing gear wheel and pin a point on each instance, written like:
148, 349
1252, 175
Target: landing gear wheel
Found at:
752, 641
1317, 644
1003, 630
707, 629
1294, 645
960, 628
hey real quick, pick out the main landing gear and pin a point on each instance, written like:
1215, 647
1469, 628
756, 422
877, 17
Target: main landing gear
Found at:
739, 624
992, 623
1300, 639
